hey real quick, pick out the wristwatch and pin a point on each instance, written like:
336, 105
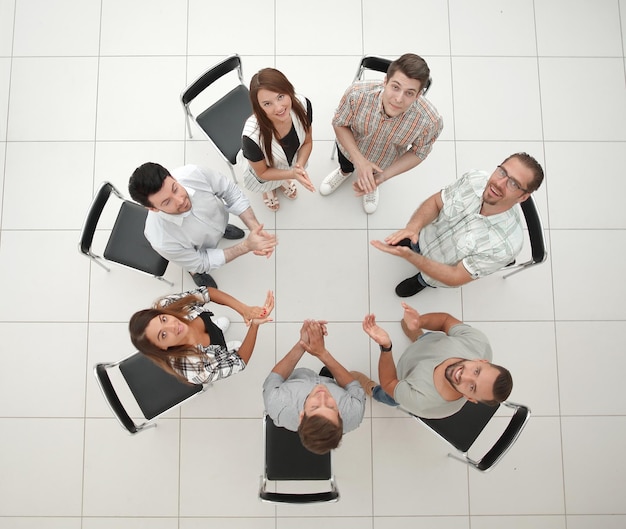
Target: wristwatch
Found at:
384, 349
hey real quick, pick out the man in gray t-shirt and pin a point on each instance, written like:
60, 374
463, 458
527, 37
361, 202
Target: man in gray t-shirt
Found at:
439, 371
321, 409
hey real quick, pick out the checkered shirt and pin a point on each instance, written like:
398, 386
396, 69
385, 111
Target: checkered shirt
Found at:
381, 139
460, 233
213, 361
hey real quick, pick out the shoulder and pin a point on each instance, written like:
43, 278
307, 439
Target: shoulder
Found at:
194, 175
424, 106
475, 341
251, 126
364, 89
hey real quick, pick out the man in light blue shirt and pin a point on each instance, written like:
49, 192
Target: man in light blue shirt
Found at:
188, 215
320, 408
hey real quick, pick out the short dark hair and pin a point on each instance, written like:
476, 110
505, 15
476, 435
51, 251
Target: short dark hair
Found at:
319, 434
146, 180
532, 164
413, 66
502, 386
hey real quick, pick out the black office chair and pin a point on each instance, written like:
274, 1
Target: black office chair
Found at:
535, 234
463, 428
223, 121
155, 391
287, 460
375, 64
127, 245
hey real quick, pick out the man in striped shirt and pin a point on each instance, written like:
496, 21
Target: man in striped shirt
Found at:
383, 129
470, 229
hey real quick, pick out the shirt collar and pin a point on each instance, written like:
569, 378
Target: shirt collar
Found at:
178, 218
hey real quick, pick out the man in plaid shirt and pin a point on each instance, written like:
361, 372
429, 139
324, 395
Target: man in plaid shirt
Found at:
470, 229
383, 129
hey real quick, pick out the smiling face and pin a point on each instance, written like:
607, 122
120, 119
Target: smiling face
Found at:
167, 331
321, 402
399, 94
499, 195
277, 106
171, 198
474, 379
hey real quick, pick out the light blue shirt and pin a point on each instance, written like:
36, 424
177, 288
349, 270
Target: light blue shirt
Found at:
190, 239
284, 399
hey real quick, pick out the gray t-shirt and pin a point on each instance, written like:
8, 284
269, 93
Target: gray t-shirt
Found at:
416, 392
284, 399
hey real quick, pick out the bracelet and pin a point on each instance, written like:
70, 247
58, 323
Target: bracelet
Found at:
384, 349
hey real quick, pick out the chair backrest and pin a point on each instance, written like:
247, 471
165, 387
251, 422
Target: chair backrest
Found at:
380, 64
463, 428
155, 391
287, 460
94, 212
223, 121
210, 76
535, 230
127, 244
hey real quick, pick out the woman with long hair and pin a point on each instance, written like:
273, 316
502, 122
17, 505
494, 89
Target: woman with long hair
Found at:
180, 337
277, 138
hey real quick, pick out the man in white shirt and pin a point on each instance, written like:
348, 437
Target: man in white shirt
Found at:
188, 215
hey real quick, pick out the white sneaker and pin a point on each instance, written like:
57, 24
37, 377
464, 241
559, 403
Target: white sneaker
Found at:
222, 322
333, 181
370, 202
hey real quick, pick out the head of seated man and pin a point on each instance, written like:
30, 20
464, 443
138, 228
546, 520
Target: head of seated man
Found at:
321, 426
155, 188
479, 380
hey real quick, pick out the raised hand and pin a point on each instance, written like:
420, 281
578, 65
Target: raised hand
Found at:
376, 333
300, 174
264, 314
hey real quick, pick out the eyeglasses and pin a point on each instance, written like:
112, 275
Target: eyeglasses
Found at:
511, 183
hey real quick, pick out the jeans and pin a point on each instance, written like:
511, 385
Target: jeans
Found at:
379, 394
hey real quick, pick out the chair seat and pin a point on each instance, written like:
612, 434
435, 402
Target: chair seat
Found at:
128, 233
155, 390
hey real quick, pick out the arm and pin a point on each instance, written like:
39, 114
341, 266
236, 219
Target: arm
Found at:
285, 367
364, 168
386, 367
451, 275
317, 348
247, 312
297, 172
258, 241
438, 321
405, 163
427, 212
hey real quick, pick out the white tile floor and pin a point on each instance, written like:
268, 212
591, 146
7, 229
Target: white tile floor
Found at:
89, 90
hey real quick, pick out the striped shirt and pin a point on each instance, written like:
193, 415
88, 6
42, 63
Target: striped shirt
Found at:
485, 244
381, 139
213, 361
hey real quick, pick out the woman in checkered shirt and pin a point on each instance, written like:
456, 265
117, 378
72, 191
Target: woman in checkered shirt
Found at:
179, 335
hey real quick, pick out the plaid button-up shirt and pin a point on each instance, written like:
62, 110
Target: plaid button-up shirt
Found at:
213, 361
460, 233
381, 139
